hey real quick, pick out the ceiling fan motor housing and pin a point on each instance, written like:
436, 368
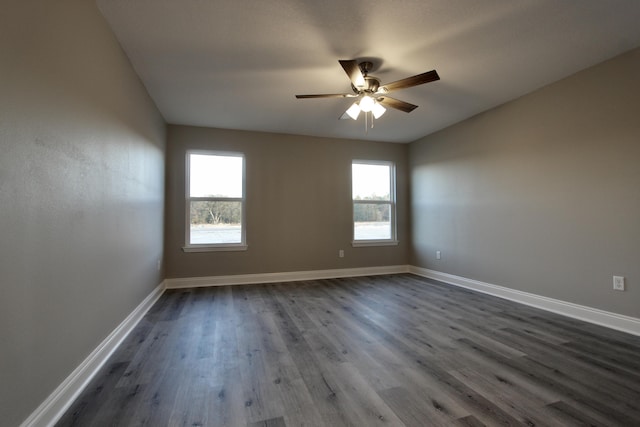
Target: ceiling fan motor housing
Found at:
371, 84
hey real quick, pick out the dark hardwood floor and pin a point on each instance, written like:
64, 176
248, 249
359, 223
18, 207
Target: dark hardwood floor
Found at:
394, 350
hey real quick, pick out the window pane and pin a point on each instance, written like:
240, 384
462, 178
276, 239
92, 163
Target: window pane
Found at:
371, 221
215, 176
215, 222
371, 182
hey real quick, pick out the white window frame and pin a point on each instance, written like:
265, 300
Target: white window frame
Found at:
393, 240
212, 247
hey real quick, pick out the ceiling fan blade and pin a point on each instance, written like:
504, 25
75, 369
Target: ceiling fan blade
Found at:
429, 76
352, 69
328, 95
396, 103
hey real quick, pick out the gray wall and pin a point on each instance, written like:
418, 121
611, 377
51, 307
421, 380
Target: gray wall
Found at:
298, 203
81, 194
541, 194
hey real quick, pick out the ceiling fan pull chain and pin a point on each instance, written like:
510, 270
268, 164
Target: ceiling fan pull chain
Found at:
366, 127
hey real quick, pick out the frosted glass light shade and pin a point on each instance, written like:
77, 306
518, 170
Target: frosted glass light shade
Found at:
354, 111
366, 103
378, 110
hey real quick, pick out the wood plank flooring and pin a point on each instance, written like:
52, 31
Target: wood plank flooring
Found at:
395, 350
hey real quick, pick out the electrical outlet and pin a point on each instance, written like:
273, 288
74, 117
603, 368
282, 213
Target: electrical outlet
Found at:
158, 265
438, 255
618, 283
341, 253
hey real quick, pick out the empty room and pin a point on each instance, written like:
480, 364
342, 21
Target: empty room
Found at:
339, 213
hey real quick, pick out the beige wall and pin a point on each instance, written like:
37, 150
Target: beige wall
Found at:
298, 203
542, 194
81, 194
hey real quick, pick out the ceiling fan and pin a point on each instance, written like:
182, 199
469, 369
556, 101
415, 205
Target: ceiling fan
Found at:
371, 94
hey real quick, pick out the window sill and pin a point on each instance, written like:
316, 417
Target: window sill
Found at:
225, 248
365, 243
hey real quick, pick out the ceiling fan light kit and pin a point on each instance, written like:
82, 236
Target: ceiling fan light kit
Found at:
371, 93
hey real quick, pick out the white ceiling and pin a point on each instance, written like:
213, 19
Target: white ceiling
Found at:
237, 64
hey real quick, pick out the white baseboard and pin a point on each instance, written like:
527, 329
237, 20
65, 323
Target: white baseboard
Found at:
619, 322
245, 279
50, 411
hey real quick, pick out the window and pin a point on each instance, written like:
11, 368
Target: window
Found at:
215, 202
374, 204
